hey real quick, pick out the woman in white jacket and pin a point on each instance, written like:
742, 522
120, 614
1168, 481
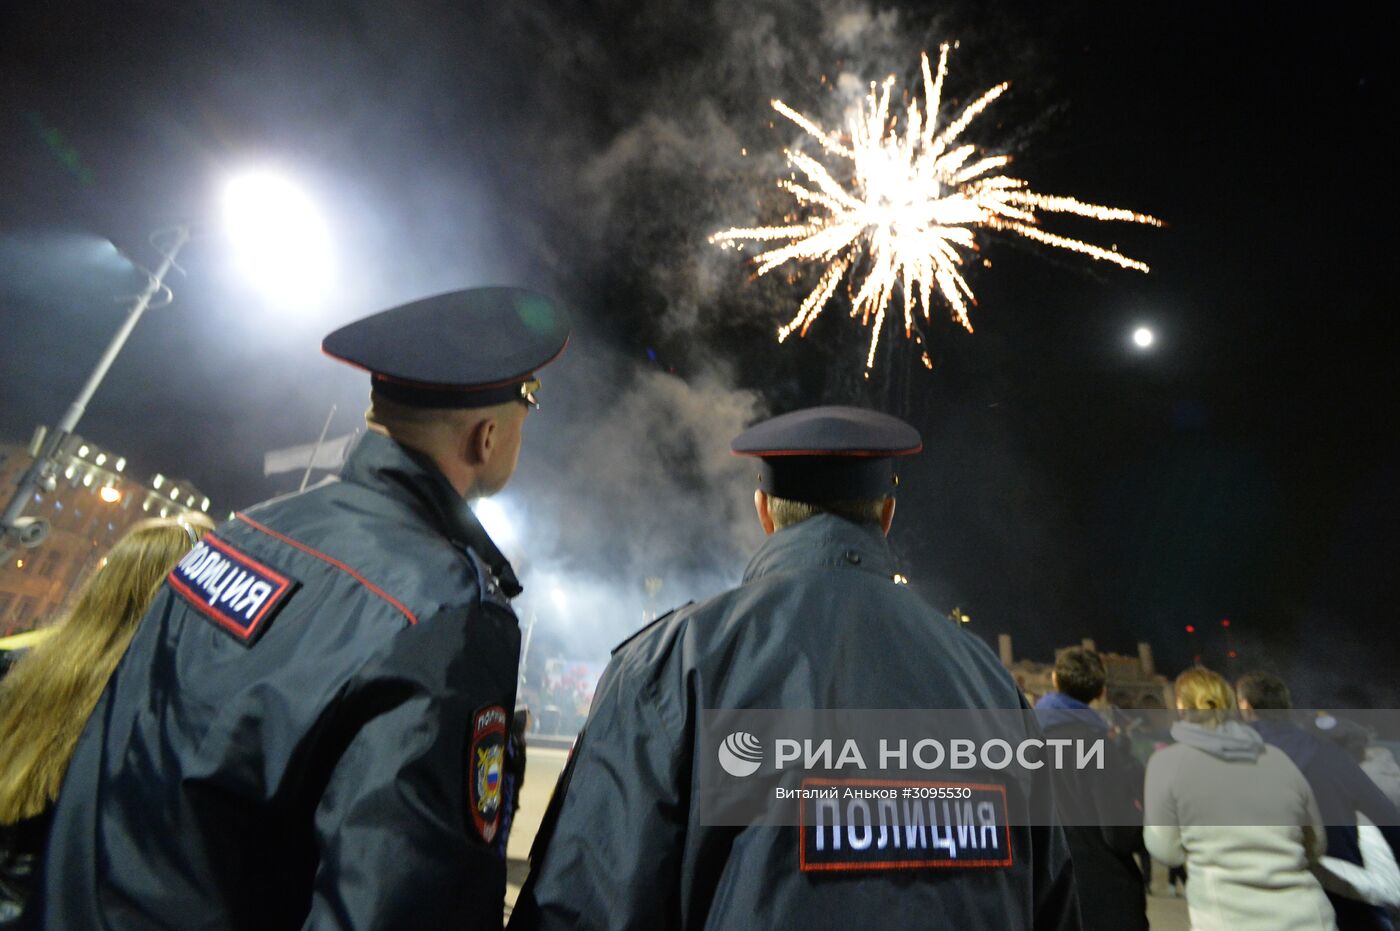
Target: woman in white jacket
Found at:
1239, 815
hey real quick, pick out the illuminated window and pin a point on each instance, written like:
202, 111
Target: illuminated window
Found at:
121, 464
101, 459
83, 450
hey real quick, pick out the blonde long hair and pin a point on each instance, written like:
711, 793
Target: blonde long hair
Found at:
1205, 697
47, 697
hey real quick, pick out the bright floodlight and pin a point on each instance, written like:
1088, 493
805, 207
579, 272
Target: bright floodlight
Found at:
494, 520
281, 244
1143, 337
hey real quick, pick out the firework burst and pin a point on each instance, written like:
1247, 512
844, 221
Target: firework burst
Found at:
907, 210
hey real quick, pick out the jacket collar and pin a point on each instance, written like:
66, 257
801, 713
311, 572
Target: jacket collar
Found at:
413, 479
824, 541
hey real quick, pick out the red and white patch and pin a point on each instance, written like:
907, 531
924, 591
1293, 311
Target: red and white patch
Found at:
230, 588
875, 824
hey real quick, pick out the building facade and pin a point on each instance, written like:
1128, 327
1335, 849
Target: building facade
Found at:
95, 501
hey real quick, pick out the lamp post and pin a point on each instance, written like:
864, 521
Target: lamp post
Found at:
271, 225
15, 528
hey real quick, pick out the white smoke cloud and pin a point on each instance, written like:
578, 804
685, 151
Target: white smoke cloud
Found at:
644, 488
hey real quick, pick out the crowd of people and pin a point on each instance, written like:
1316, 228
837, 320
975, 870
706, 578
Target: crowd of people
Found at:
307, 717
1273, 825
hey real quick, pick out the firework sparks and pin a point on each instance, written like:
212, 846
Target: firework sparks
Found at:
909, 209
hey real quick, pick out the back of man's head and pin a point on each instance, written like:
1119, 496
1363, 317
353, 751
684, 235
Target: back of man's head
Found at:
827, 460
475, 447
864, 511
1080, 674
1264, 692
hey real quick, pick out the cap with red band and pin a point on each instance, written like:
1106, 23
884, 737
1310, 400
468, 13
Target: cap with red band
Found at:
471, 348
828, 453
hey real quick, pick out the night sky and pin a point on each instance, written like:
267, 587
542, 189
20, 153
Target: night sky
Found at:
1071, 486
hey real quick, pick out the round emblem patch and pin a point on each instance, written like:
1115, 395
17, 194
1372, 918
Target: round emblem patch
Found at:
486, 772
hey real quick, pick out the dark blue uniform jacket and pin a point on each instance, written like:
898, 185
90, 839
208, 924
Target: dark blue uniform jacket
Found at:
817, 623
1342, 789
321, 753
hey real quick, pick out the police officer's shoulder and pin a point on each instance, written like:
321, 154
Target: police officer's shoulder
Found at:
488, 588
650, 631
365, 543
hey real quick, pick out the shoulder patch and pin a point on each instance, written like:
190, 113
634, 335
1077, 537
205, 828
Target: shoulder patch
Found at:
881, 824
229, 587
486, 769
648, 626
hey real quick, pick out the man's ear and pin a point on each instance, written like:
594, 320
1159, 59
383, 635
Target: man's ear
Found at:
1054, 680
887, 515
760, 504
480, 442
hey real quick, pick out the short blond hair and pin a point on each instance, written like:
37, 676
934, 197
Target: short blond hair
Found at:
389, 414
1206, 696
786, 512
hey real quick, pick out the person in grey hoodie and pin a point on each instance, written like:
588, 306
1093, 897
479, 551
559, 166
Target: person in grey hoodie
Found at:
1238, 814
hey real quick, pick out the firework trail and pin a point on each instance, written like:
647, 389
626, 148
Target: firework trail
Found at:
909, 203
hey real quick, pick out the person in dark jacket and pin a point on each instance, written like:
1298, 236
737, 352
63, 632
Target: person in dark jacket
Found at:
820, 621
309, 727
1342, 788
1102, 809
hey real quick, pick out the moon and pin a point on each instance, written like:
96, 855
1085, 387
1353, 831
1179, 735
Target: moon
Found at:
1143, 337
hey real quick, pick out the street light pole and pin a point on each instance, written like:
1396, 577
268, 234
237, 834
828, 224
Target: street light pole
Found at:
13, 527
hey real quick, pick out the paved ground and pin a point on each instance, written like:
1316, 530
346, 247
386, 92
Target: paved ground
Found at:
542, 768
1166, 914
544, 764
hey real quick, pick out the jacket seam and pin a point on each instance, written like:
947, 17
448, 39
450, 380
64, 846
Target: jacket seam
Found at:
412, 618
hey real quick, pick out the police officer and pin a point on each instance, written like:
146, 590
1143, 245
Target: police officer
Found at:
309, 727
819, 621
